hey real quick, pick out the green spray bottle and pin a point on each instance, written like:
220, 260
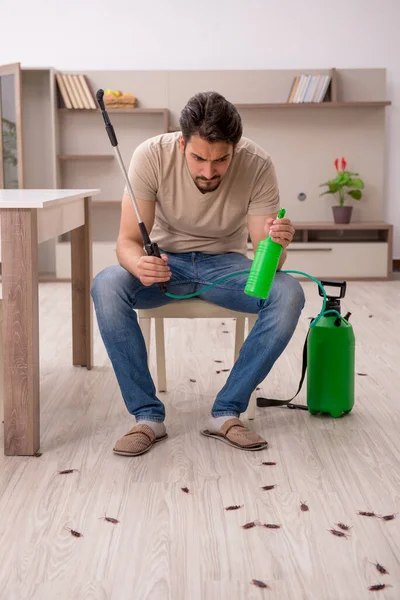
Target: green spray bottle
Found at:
264, 266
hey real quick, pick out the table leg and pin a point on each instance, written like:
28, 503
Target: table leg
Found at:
81, 275
20, 331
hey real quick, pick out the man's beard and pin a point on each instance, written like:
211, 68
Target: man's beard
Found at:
207, 185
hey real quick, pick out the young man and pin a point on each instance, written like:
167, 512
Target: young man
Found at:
200, 193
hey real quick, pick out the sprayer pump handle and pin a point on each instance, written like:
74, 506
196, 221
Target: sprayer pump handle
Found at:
341, 284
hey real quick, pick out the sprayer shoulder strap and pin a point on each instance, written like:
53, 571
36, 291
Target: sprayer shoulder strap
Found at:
264, 402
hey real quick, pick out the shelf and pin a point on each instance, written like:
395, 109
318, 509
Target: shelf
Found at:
86, 156
307, 105
321, 105
106, 203
327, 225
132, 111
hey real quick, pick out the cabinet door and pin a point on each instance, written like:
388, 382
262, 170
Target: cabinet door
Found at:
11, 159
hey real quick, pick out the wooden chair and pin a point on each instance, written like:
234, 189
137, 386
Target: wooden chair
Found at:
192, 308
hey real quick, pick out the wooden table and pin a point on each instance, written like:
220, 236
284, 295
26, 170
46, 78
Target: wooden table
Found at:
29, 217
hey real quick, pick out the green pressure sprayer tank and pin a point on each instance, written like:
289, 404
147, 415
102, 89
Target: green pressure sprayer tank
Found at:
331, 359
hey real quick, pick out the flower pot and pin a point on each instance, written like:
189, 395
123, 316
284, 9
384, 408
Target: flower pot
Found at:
342, 214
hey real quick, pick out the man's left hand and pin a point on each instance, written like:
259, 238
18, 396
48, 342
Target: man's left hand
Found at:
281, 231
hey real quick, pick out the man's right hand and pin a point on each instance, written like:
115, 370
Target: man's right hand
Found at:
151, 269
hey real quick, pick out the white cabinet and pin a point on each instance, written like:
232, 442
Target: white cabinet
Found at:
339, 260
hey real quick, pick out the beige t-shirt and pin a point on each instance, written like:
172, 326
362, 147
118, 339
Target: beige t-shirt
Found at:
187, 220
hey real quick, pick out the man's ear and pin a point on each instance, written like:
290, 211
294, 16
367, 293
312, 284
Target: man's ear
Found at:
182, 144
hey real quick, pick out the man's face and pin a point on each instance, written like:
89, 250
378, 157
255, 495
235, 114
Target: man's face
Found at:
208, 162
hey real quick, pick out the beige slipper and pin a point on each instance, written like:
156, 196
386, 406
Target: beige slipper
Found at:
137, 441
234, 433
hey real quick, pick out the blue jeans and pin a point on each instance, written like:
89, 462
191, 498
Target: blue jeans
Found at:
116, 294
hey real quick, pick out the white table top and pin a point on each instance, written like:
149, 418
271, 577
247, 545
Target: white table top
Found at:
40, 198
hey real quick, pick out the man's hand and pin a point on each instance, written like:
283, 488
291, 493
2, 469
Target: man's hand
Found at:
281, 231
151, 269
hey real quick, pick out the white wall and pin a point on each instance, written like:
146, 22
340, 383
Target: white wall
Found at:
214, 34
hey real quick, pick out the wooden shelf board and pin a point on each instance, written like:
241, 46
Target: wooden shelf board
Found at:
322, 105
132, 111
106, 203
86, 156
327, 225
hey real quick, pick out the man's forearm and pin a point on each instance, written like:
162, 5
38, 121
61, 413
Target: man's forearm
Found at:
128, 254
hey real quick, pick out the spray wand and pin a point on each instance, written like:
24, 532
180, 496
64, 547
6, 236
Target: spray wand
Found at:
150, 247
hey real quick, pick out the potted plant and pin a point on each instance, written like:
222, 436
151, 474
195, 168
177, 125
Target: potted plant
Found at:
343, 185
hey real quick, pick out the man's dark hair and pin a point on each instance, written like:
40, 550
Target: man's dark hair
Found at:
210, 116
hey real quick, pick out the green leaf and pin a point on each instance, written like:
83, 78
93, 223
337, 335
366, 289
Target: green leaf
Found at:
356, 194
334, 187
343, 178
356, 183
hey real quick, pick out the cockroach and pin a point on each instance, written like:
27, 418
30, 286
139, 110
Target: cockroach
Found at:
362, 374
192, 380
225, 331
67, 471
370, 316
367, 514
222, 323
271, 526
343, 526
381, 568
110, 519
258, 583
218, 372
74, 533
234, 507
268, 464
388, 517
258, 389
186, 490
251, 525
303, 506
38, 454
268, 487
378, 586
338, 533
225, 370
218, 361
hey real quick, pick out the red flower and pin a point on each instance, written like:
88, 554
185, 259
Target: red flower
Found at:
336, 163
344, 163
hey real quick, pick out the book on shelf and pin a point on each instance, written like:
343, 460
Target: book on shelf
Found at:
309, 88
75, 91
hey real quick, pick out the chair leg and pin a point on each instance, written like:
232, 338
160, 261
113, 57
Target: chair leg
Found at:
160, 355
239, 336
145, 326
251, 409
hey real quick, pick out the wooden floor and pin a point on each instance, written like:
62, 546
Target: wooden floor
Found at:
173, 546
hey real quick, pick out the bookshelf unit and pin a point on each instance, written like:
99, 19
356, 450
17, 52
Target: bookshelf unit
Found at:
69, 148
